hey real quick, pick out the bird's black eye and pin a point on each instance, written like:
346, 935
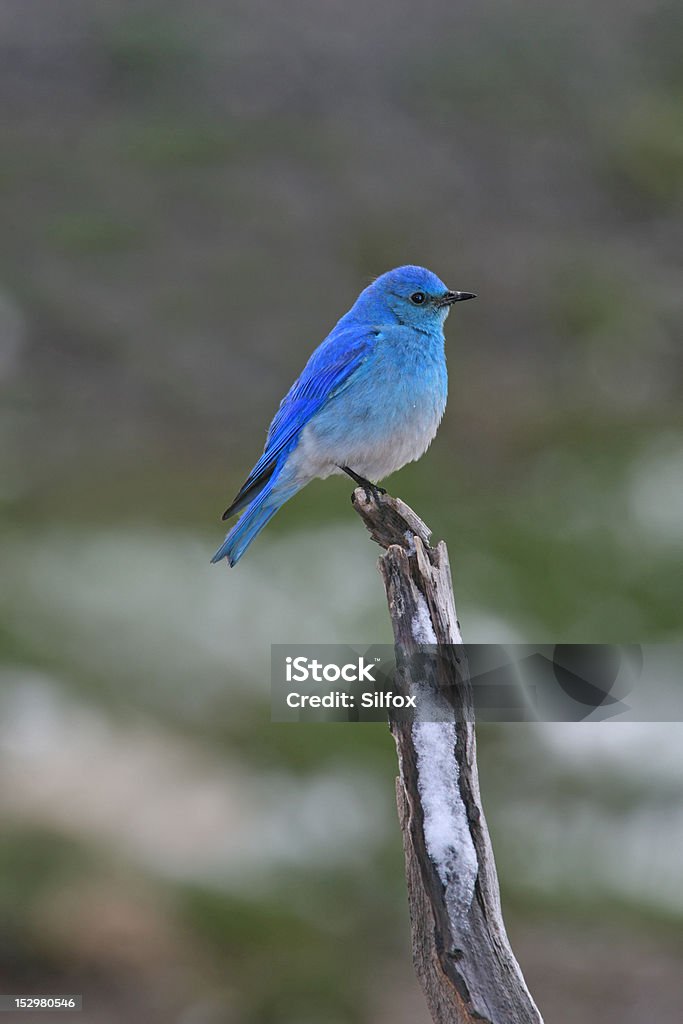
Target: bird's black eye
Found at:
418, 298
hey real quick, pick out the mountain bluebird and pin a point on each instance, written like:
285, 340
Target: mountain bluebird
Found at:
370, 399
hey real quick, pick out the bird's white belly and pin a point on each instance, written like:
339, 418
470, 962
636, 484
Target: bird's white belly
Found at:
373, 457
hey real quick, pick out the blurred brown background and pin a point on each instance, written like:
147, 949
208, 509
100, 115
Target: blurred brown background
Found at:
190, 196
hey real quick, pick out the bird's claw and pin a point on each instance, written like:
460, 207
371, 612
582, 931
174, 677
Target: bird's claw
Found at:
373, 491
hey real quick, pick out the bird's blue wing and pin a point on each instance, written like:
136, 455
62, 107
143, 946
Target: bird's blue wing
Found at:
327, 372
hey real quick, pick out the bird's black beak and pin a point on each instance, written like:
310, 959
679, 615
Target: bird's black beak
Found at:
451, 297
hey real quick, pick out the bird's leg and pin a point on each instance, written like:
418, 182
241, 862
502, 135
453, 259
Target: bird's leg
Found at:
367, 485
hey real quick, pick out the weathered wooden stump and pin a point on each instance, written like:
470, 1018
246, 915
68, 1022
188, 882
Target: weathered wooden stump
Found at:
461, 951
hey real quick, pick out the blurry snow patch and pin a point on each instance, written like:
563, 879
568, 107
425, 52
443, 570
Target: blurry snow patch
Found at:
656, 491
165, 802
447, 835
608, 820
637, 750
145, 607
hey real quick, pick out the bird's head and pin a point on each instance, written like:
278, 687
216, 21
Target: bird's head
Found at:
410, 295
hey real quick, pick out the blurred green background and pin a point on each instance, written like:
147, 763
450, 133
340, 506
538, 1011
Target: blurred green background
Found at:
190, 196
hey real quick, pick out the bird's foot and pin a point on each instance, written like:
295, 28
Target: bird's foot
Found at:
370, 489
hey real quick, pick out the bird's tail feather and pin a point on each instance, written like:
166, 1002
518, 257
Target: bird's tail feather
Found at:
252, 521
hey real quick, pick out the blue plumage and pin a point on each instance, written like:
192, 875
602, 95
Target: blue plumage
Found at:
369, 400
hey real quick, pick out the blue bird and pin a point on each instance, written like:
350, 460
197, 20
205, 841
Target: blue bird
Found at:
370, 400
